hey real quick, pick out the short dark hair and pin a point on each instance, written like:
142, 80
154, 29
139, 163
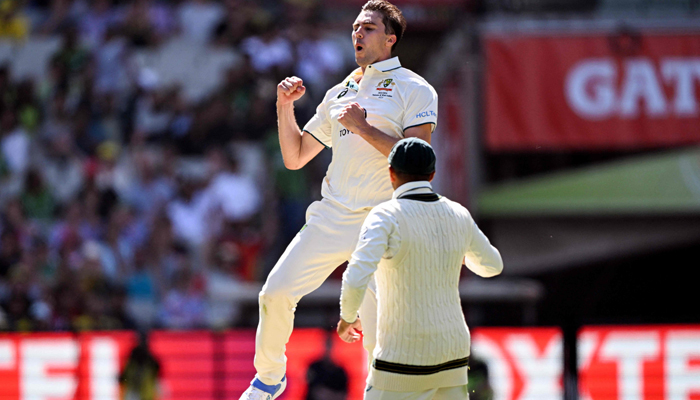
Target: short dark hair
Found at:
411, 177
392, 18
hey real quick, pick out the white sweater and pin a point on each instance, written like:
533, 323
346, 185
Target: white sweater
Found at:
415, 250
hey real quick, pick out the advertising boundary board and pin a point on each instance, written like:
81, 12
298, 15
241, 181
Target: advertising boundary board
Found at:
615, 362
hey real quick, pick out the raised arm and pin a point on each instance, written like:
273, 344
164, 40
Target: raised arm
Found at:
298, 147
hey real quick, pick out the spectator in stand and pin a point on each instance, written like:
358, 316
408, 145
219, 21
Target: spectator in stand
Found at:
110, 167
181, 121
115, 251
199, 18
222, 284
189, 211
161, 254
36, 200
15, 143
28, 111
97, 21
61, 15
147, 23
63, 170
10, 252
184, 305
8, 91
107, 113
69, 304
142, 290
86, 138
150, 190
15, 220
46, 263
18, 307
58, 116
68, 233
13, 25
239, 90
270, 52
111, 63
14, 155
53, 82
73, 55
235, 194
233, 28
153, 114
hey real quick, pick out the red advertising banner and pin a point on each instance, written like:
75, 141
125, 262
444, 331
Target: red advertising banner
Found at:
194, 365
592, 91
615, 363
523, 363
639, 363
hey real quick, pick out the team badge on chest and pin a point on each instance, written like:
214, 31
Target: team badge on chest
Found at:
384, 88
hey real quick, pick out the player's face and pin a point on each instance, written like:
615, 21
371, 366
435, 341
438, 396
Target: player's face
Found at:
371, 42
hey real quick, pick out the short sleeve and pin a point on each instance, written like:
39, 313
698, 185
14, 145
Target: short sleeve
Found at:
319, 126
421, 106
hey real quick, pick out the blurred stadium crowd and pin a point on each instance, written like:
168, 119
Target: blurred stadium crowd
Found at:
140, 176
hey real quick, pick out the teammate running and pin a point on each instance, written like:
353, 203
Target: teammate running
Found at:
360, 119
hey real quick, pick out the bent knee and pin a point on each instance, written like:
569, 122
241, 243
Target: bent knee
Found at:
275, 290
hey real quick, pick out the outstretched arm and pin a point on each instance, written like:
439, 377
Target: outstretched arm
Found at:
298, 147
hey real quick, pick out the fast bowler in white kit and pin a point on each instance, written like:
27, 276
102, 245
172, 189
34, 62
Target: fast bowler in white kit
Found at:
414, 246
360, 119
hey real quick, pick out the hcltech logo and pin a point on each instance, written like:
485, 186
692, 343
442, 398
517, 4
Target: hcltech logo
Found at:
425, 114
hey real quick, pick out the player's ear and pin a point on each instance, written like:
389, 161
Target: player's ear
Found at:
392, 174
431, 177
391, 40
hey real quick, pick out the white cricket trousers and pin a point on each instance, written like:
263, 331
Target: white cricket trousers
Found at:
327, 240
446, 393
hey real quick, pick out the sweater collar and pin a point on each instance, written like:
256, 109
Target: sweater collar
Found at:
415, 187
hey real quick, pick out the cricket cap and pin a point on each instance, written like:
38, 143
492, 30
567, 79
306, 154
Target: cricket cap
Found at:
412, 156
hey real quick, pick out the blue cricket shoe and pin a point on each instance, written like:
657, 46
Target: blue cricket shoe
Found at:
260, 391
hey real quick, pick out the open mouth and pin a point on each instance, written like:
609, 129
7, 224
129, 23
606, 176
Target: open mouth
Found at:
358, 47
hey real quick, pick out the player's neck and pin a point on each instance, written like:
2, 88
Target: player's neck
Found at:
363, 67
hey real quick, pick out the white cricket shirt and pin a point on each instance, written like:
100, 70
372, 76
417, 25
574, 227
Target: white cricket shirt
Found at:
395, 99
414, 246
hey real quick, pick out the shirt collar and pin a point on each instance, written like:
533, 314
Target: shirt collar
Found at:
414, 187
387, 65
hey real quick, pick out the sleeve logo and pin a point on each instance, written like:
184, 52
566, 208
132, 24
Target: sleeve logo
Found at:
426, 114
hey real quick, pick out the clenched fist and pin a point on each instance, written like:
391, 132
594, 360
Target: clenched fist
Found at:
353, 117
290, 90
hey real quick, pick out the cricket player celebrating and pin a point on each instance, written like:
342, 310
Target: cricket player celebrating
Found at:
360, 119
414, 246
